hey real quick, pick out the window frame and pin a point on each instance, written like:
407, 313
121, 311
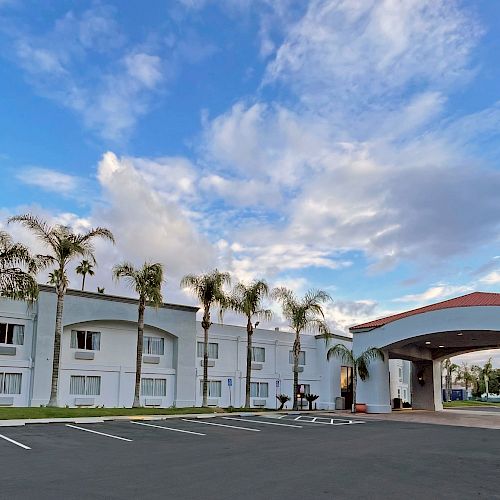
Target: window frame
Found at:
87, 340
199, 349
85, 385
3, 376
146, 341
260, 386
209, 382
157, 381
290, 357
12, 335
260, 349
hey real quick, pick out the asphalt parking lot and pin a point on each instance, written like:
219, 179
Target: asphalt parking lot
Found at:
249, 458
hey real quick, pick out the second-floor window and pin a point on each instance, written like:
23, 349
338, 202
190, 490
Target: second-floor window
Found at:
258, 354
302, 357
89, 341
153, 345
213, 350
11, 334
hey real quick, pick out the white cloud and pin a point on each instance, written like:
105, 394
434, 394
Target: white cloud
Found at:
435, 294
49, 180
492, 278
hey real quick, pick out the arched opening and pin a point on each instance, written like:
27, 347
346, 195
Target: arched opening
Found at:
425, 337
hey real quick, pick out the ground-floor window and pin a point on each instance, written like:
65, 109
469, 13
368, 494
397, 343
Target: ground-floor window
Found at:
259, 389
10, 383
80, 385
214, 388
154, 387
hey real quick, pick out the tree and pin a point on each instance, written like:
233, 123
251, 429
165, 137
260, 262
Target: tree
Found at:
146, 282
476, 372
449, 368
209, 289
465, 375
55, 276
304, 315
18, 269
487, 372
85, 267
359, 364
247, 300
64, 246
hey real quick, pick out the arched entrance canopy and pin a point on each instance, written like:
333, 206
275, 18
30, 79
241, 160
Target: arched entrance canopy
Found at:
425, 336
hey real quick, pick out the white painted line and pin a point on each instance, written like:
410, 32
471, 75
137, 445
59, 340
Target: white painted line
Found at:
221, 425
265, 423
15, 442
96, 432
168, 428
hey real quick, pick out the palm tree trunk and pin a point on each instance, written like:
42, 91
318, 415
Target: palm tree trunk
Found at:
83, 282
205, 325
138, 359
57, 346
296, 354
249, 363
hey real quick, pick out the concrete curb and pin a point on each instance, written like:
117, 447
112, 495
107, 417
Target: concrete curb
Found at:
97, 419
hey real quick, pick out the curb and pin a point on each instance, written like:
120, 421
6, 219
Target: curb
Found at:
100, 420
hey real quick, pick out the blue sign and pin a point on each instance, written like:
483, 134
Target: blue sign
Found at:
277, 383
229, 382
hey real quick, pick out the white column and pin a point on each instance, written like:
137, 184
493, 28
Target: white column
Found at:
436, 378
375, 391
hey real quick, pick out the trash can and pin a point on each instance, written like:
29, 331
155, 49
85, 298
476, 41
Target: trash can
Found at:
340, 403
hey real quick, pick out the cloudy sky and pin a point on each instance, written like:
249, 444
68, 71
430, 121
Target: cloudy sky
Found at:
349, 145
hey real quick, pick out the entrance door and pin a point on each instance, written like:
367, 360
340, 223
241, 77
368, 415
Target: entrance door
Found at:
346, 385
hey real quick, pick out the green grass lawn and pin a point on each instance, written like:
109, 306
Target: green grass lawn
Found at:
453, 404
22, 413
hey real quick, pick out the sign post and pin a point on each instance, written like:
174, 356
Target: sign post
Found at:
277, 387
230, 384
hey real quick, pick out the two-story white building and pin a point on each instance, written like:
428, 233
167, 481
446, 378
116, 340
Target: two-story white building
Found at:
98, 348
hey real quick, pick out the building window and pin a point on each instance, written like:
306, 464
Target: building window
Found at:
400, 374
259, 389
153, 345
213, 350
11, 334
305, 388
10, 383
214, 388
259, 354
302, 357
156, 387
89, 341
345, 379
80, 385
399, 393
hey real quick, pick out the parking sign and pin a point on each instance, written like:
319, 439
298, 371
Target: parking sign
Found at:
229, 382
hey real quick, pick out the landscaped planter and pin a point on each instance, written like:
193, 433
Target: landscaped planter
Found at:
360, 407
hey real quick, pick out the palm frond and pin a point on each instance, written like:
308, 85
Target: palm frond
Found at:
341, 352
37, 226
362, 362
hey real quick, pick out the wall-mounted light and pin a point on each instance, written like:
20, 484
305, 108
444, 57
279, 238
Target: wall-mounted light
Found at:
441, 346
428, 342
420, 377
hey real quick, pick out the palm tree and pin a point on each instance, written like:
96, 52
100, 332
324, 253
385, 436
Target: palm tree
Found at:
247, 300
17, 270
304, 314
147, 282
466, 375
64, 245
477, 374
359, 364
55, 276
85, 267
449, 368
487, 372
209, 289
100, 289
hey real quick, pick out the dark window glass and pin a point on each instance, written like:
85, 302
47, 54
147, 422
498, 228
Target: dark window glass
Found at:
3, 333
80, 340
10, 334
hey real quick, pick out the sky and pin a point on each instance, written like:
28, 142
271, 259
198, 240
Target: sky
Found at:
346, 145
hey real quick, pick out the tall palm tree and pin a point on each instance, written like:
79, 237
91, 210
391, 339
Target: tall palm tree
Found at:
487, 372
147, 282
359, 364
85, 267
209, 289
17, 270
466, 375
449, 368
247, 300
304, 314
477, 374
64, 246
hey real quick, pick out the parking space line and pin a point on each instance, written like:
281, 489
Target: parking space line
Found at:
168, 428
97, 432
264, 423
220, 425
21, 445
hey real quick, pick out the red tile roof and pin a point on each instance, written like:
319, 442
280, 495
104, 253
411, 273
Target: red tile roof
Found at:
469, 300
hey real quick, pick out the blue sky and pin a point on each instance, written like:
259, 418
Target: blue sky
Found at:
346, 145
